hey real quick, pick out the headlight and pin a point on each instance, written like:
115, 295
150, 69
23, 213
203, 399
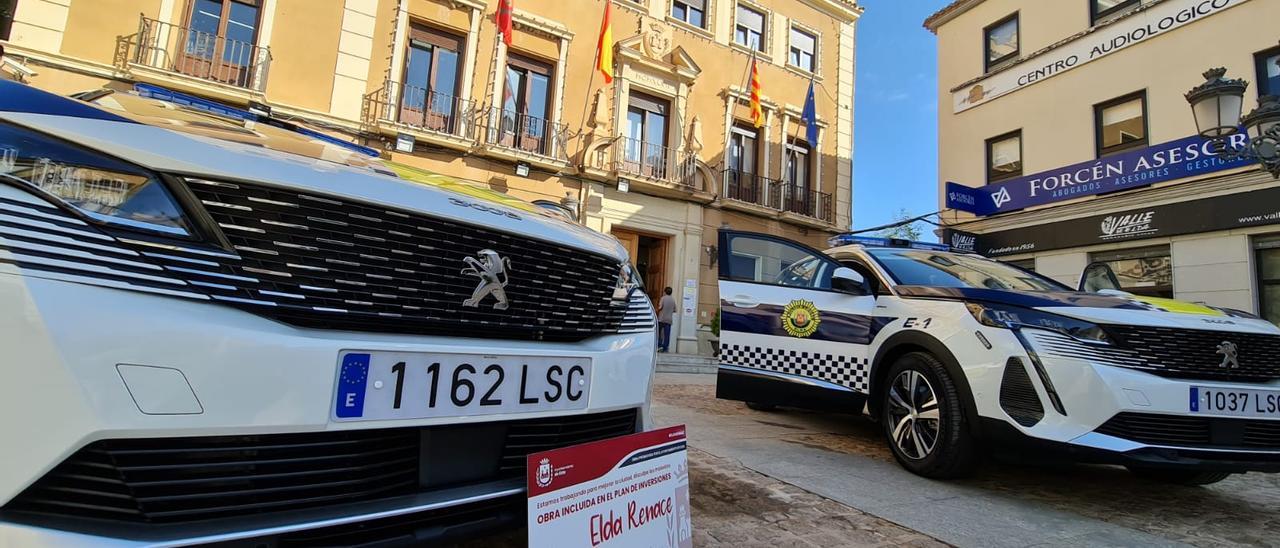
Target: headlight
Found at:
994, 315
102, 188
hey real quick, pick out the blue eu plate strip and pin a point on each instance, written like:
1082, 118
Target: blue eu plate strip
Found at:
351, 383
1195, 398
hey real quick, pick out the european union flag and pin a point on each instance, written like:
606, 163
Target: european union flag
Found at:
810, 117
351, 383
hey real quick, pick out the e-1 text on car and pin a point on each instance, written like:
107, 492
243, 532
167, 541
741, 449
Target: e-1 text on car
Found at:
954, 353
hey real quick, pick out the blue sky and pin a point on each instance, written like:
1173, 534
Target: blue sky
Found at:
896, 112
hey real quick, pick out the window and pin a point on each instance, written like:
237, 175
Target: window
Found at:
227, 25
7, 9
1268, 72
743, 184
645, 149
525, 103
749, 28
1001, 43
1142, 271
430, 83
939, 269
1121, 123
1104, 9
761, 259
798, 167
1268, 259
692, 12
1004, 157
803, 47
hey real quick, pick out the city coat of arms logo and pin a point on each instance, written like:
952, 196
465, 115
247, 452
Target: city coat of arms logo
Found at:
800, 318
544, 473
491, 268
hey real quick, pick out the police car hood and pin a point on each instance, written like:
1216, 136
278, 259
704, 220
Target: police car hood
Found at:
185, 153
1109, 307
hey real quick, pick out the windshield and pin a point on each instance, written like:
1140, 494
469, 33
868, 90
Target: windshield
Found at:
941, 269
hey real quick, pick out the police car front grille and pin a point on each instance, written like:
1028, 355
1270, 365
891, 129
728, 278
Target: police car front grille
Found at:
1194, 431
181, 480
1193, 353
321, 262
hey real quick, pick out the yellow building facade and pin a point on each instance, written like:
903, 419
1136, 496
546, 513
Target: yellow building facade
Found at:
1067, 122
661, 157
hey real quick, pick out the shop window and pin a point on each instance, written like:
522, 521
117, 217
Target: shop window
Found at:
692, 12
1103, 10
1268, 72
1025, 264
803, 47
1001, 43
7, 10
749, 27
1268, 260
1142, 271
1004, 156
430, 84
645, 150
525, 104
1121, 124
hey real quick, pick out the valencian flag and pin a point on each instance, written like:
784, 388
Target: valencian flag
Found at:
810, 117
757, 113
604, 47
502, 18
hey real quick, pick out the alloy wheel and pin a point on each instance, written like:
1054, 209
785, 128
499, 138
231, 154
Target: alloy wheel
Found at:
914, 414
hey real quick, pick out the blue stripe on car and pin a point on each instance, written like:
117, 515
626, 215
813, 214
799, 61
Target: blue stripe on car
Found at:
766, 319
1026, 299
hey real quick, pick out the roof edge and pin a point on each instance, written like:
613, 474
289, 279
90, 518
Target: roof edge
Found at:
945, 15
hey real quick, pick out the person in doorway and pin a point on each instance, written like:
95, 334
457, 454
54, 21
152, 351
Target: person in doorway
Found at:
666, 311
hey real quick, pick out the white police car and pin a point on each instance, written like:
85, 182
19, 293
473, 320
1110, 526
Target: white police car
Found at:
953, 352
219, 330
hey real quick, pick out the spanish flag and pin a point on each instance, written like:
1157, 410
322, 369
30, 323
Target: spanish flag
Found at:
757, 113
604, 47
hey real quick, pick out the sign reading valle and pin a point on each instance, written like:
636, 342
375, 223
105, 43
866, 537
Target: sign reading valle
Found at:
1164, 162
631, 491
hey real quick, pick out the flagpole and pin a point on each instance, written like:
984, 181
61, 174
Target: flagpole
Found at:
790, 153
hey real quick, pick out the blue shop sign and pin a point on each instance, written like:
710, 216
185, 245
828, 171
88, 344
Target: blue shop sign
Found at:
1164, 162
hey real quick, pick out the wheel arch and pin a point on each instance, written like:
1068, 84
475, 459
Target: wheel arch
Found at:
905, 342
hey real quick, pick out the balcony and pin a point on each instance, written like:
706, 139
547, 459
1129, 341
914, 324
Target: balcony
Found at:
415, 109
514, 135
771, 197
189, 54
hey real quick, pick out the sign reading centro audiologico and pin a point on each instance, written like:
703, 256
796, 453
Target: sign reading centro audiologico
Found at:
1157, 19
1164, 162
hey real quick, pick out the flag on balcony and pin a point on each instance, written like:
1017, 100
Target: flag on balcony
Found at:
604, 47
757, 113
502, 18
810, 117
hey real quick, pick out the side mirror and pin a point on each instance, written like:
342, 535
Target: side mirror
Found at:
846, 280
1098, 277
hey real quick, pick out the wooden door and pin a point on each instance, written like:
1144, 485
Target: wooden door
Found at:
655, 278
631, 241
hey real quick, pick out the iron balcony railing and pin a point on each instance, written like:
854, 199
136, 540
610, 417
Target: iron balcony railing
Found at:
198, 54
423, 109
749, 188
640, 159
520, 132
810, 203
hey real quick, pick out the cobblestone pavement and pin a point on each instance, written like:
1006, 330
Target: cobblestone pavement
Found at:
1240, 511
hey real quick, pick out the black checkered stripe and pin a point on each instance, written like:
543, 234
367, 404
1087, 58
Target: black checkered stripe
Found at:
849, 371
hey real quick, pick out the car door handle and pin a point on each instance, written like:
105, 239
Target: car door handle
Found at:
743, 301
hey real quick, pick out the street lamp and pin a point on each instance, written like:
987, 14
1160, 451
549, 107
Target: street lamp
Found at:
1217, 104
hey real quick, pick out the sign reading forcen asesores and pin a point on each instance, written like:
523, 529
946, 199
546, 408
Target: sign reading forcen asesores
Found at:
631, 491
1253, 208
1160, 18
1164, 162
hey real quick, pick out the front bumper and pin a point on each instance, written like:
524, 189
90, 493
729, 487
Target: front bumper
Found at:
1095, 394
246, 375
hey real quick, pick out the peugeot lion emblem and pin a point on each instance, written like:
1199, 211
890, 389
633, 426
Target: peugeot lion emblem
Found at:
1228, 350
492, 271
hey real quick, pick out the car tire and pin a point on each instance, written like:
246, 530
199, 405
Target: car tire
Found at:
1179, 477
757, 406
940, 447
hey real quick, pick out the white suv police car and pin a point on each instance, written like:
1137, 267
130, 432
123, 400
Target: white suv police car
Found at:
220, 330
953, 352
